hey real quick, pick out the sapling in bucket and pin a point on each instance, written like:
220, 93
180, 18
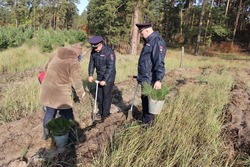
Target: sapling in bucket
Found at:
59, 129
156, 97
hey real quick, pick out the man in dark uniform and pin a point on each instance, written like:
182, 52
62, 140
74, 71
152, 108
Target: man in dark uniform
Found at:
151, 64
102, 59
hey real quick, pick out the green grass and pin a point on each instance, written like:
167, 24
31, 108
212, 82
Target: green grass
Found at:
186, 133
22, 58
19, 100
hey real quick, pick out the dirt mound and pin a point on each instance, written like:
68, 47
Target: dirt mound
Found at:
238, 113
22, 145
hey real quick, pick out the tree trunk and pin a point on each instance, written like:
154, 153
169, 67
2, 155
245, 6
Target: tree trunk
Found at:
200, 26
181, 21
134, 33
236, 22
228, 2
168, 19
208, 21
219, 2
243, 23
16, 13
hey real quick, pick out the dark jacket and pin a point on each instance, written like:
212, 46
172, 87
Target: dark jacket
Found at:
104, 62
151, 62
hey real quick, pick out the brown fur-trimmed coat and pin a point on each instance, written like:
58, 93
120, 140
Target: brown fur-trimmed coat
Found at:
62, 72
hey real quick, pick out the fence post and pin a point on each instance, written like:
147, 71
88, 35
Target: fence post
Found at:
182, 54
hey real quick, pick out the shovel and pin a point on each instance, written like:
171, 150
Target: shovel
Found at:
94, 111
129, 115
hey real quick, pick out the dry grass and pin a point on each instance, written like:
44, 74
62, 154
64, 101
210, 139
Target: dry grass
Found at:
27, 57
19, 100
187, 133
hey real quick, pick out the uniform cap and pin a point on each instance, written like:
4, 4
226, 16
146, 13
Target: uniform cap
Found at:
142, 26
94, 41
76, 48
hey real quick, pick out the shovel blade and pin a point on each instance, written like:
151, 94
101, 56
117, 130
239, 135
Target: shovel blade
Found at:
129, 115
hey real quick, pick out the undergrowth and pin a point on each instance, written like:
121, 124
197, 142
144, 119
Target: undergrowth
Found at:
187, 133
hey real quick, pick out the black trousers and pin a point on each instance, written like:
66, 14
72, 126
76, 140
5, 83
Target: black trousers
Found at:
104, 98
147, 118
51, 113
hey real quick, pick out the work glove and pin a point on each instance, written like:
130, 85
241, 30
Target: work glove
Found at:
80, 58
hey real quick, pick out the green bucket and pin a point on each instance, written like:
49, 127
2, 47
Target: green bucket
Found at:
155, 106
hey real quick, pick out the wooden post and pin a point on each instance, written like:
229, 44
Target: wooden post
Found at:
182, 54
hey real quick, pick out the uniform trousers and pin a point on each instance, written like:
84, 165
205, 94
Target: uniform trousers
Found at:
104, 98
147, 118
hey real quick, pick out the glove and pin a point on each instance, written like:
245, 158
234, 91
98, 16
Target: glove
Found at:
80, 58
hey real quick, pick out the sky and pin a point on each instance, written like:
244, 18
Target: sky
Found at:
83, 4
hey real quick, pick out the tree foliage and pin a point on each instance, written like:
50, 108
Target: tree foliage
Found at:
111, 19
174, 19
55, 14
14, 37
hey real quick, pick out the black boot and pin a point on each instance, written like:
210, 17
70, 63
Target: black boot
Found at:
45, 133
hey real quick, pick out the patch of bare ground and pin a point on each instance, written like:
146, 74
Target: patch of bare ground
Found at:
237, 122
22, 145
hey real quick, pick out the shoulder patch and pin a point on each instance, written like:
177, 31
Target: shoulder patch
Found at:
112, 57
161, 49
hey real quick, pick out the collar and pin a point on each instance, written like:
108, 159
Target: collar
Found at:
152, 36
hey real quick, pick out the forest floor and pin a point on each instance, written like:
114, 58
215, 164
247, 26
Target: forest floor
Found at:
21, 141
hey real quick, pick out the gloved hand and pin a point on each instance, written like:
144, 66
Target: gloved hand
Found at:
80, 58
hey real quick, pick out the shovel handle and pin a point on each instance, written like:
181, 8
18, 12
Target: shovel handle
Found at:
133, 100
95, 110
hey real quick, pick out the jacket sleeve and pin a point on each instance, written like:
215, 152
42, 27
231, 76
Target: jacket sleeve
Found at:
91, 66
159, 52
77, 79
46, 65
110, 65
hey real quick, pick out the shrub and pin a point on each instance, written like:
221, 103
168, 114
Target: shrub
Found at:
44, 41
3, 39
29, 33
72, 40
208, 52
59, 38
14, 37
227, 47
80, 36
